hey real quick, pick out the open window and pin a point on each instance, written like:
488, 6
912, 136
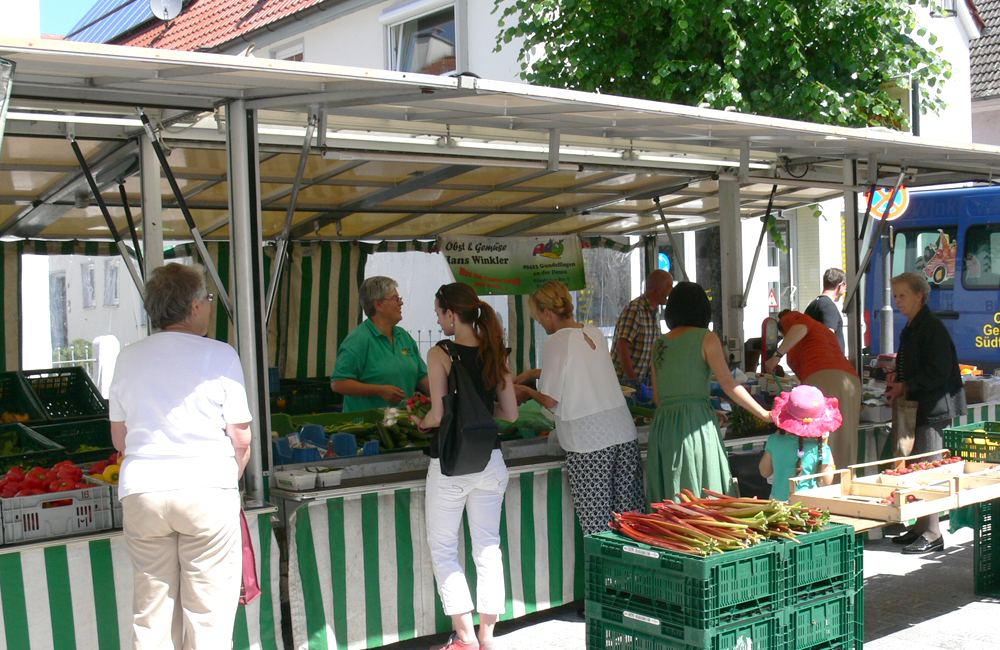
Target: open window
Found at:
930, 251
422, 37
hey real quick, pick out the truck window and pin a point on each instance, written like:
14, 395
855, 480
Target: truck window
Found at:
982, 246
932, 252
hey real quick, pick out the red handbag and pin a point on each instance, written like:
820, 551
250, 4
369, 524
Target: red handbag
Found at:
250, 589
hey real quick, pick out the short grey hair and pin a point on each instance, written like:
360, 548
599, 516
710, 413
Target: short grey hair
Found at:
374, 288
917, 283
170, 290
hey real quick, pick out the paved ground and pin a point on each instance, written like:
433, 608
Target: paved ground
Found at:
911, 603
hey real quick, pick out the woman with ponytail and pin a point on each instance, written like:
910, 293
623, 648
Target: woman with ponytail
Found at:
809, 416
579, 385
479, 341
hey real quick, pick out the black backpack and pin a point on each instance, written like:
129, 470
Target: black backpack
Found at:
468, 432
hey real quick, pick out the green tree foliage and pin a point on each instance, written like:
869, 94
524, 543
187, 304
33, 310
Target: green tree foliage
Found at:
825, 61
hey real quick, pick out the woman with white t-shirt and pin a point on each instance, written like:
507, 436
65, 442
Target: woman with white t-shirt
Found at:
578, 383
179, 413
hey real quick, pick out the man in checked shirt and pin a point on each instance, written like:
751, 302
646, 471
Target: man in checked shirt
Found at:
636, 330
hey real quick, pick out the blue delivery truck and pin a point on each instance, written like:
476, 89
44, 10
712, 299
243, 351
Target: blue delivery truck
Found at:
952, 237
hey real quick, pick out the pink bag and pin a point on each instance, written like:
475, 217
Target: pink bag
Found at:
250, 589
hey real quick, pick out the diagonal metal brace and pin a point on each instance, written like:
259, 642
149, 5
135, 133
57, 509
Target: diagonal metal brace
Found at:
281, 253
122, 249
852, 289
182, 203
760, 243
131, 226
670, 236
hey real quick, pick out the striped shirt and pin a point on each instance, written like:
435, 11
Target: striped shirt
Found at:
637, 324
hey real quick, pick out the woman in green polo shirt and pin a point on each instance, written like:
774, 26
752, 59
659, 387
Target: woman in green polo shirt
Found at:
379, 364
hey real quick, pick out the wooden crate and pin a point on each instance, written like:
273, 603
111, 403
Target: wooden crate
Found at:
933, 490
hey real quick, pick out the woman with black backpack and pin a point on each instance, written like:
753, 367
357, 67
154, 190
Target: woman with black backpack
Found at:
478, 345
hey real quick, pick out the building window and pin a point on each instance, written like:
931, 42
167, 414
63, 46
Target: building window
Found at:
87, 284
111, 283
424, 44
293, 52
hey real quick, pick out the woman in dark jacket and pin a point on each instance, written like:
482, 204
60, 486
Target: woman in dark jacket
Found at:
926, 372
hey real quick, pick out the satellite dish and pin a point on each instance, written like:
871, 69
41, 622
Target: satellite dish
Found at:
165, 9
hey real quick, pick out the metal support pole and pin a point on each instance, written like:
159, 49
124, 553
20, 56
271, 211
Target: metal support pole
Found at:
122, 249
131, 227
670, 236
195, 233
248, 280
731, 237
852, 243
886, 335
152, 205
760, 243
282, 251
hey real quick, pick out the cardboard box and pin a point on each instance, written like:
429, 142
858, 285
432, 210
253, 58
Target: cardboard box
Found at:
980, 390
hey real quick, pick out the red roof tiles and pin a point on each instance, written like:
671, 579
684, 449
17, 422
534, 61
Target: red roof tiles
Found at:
207, 24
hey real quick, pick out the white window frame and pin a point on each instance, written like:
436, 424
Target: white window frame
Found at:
88, 285
288, 50
415, 9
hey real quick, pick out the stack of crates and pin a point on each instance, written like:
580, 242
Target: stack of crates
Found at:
820, 581
773, 596
980, 442
643, 597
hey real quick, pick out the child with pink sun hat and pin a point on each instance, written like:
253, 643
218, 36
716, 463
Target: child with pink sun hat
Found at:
809, 416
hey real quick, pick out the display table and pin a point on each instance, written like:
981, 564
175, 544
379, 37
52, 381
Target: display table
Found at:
76, 593
359, 569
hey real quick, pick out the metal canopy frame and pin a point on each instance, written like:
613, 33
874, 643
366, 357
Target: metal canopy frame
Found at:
406, 156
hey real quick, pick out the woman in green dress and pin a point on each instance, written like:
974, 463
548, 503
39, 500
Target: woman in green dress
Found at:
685, 448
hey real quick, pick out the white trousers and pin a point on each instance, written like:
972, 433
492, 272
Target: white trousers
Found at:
481, 496
187, 560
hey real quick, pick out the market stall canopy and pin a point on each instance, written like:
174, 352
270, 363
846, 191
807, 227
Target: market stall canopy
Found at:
409, 156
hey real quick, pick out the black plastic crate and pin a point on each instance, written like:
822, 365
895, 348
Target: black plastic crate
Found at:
17, 399
690, 590
72, 435
304, 396
66, 393
35, 449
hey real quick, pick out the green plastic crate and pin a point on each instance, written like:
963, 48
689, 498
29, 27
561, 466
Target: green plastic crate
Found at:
37, 449
982, 446
986, 550
858, 602
329, 419
71, 435
16, 398
823, 623
66, 393
611, 629
819, 562
701, 592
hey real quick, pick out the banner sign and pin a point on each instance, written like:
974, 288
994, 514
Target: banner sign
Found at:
513, 265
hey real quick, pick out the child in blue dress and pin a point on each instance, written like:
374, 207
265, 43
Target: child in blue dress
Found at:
805, 418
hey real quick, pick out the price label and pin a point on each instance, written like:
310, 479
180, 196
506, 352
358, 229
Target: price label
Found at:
642, 619
640, 551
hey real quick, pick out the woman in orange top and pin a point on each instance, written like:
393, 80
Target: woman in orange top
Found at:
814, 355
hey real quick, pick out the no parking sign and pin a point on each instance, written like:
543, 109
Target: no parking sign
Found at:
881, 200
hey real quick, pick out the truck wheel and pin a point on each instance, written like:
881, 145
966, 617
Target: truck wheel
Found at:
940, 275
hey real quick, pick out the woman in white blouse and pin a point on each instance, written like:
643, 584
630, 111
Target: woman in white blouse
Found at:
577, 382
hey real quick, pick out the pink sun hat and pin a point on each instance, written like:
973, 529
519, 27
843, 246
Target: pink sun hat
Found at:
806, 412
